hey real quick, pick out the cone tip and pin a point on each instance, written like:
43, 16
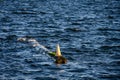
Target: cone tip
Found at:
58, 52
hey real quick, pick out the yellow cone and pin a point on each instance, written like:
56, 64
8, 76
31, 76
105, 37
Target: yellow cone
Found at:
58, 52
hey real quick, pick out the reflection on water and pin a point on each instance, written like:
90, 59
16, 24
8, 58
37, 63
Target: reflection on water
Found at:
87, 30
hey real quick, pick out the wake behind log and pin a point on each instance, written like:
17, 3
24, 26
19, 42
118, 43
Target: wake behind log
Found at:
59, 59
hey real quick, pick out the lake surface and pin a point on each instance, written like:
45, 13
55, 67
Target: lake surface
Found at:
88, 32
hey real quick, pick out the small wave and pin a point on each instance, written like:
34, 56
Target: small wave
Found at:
114, 39
109, 47
45, 78
23, 12
108, 29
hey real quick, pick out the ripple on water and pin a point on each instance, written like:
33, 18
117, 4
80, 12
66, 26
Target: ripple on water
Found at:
108, 29
109, 76
115, 56
45, 78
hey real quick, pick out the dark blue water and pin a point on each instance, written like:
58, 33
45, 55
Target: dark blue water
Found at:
88, 32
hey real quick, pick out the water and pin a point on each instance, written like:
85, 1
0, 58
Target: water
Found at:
88, 32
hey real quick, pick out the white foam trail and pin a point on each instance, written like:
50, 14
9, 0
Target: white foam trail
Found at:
34, 43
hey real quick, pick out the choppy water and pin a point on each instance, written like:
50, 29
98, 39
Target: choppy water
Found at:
88, 32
